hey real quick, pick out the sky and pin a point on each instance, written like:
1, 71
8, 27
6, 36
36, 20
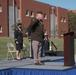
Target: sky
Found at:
68, 4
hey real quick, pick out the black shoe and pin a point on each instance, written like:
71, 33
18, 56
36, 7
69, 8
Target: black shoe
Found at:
31, 57
39, 63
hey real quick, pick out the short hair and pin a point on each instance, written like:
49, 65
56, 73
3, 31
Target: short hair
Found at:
19, 24
40, 12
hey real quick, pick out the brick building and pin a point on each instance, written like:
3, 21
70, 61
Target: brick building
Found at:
74, 11
3, 18
55, 18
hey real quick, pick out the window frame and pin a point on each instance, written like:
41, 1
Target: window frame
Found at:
32, 14
0, 29
27, 13
61, 19
0, 8
64, 20
45, 16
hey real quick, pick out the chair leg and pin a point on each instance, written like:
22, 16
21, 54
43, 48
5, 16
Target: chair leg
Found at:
24, 54
28, 52
12, 55
7, 55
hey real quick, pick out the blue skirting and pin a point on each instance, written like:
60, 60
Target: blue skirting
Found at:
21, 71
43, 72
59, 60
6, 72
35, 72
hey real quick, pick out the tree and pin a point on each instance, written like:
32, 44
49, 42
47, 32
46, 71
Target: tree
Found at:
72, 21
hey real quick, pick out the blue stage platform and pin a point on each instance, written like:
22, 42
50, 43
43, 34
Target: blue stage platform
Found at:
53, 66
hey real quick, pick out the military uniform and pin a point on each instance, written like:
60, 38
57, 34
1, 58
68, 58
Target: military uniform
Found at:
18, 35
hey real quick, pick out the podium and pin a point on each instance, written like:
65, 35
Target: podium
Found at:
69, 49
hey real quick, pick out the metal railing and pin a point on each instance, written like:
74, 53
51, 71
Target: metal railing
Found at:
53, 46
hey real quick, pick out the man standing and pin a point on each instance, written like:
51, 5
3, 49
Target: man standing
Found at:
37, 37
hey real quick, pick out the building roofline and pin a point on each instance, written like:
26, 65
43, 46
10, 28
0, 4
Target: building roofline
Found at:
51, 5
43, 3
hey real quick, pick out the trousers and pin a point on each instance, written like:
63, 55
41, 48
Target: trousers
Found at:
37, 50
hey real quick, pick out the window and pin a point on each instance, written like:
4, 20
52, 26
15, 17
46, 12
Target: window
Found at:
45, 16
32, 14
61, 19
0, 8
0, 29
27, 12
64, 20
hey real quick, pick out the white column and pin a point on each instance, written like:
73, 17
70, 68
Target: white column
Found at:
14, 16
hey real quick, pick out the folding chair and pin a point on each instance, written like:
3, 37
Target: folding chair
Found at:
25, 50
11, 50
